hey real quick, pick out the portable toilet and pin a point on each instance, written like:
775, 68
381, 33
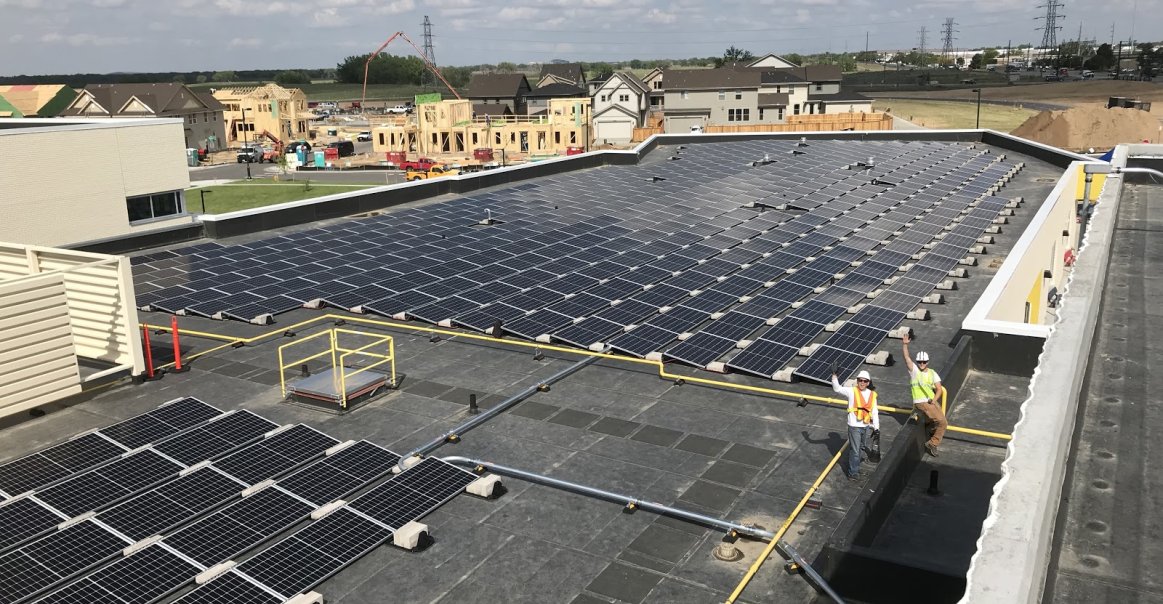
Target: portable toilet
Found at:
191, 157
320, 160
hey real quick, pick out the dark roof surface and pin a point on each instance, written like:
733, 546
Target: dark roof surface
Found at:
569, 71
772, 99
496, 85
493, 109
164, 99
725, 77
839, 96
557, 90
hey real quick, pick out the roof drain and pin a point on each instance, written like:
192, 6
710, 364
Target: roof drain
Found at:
630, 502
454, 434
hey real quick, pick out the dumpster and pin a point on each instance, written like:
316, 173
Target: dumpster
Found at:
396, 157
331, 153
483, 154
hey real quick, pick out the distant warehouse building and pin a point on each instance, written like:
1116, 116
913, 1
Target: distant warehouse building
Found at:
69, 182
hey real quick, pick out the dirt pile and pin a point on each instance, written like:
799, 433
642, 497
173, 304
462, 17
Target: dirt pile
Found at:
1086, 126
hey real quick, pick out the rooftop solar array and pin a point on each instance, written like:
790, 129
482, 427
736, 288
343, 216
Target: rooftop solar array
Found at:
180, 511
735, 255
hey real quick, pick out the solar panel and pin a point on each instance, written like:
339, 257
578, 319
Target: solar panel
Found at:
230, 588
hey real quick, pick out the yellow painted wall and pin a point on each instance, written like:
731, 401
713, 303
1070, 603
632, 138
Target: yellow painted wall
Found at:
1034, 299
1095, 186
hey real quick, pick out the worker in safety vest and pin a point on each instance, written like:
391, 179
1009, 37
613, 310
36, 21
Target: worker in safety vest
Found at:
927, 393
863, 418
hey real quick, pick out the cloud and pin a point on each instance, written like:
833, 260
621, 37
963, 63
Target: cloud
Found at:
329, 17
84, 39
159, 26
244, 43
657, 16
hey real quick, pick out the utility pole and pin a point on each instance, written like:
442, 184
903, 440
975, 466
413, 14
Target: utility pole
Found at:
429, 54
866, 42
1050, 26
947, 31
1078, 47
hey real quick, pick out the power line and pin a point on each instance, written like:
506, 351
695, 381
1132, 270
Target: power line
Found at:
1050, 25
922, 44
947, 31
429, 53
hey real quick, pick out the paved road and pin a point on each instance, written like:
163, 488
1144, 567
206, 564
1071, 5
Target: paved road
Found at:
238, 172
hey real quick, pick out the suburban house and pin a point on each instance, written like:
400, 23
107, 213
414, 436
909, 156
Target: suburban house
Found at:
752, 95
771, 60
201, 113
653, 81
537, 100
35, 100
593, 85
620, 105
270, 112
562, 73
499, 88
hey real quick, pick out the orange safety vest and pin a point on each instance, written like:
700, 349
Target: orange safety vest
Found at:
862, 407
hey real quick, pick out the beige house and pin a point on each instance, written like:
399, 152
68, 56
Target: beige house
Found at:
119, 177
267, 113
620, 105
200, 113
451, 127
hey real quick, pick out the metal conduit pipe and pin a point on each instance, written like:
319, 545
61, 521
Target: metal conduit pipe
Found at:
454, 434
630, 502
814, 577
1105, 168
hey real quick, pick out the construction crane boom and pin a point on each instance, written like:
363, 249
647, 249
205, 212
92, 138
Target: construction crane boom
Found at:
431, 67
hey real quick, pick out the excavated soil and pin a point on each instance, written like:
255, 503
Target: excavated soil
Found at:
1090, 126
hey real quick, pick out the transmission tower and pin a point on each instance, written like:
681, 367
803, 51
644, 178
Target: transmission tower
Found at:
1050, 25
429, 55
947, 31
921, 46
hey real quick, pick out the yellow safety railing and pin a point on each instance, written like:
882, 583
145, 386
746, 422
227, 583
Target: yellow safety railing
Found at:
662, 372
339, 355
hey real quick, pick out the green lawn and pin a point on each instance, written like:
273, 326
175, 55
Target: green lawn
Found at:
243, 195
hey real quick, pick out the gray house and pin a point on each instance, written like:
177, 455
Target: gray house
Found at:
537, 100
752, 95
205, 127
499, 88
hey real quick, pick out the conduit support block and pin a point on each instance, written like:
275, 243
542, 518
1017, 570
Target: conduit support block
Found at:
655, 356
487, 487
406, 463
213, 572
543, 338
881, 357
597, 347
920, 314
410, 536
446, 323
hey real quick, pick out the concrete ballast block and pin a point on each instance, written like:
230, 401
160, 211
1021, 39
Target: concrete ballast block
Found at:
409, 536
485, 486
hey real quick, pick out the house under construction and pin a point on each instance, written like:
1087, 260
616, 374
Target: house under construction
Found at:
452, 127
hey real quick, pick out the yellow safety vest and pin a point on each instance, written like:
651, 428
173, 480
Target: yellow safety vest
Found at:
922, 385
862, 407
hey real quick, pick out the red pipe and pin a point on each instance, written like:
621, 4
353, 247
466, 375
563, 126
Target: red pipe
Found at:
177, 349
148, 353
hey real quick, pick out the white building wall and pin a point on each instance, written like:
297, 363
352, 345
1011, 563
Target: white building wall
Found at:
612, 91
67, 182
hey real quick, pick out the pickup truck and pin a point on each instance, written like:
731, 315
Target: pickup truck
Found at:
433, 172
422, 164
400, 110
256, 153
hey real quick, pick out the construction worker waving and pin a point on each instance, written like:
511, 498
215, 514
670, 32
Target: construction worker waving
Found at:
926, 391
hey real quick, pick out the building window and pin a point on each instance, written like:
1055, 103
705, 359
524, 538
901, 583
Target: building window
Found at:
151, 207
779, 113
761, 114
658, 84
625, 98
819, 86
738, 95
738, 115
722, 95
381, 138
796, 109
685, 95
603, 98
777, 89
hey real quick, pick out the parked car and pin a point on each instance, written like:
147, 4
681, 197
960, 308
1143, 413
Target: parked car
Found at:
366, 135
399, 110
294, 147
345, 148
433, 172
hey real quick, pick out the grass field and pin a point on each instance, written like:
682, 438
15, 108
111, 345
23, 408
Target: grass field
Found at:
244, 195
948, 114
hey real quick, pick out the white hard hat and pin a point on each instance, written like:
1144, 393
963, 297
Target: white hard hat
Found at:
922, 356
863, 375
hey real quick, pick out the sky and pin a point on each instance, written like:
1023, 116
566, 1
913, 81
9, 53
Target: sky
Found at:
102, 36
